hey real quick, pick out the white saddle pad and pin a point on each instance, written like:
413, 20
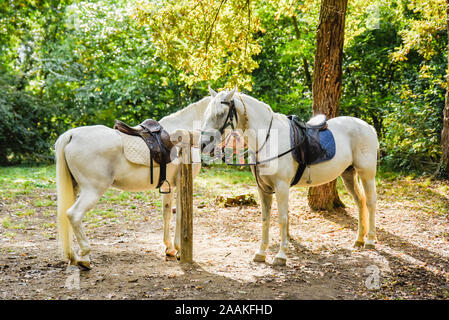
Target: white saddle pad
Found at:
136, 150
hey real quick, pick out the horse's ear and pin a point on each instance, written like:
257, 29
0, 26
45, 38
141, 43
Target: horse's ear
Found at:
231, 94
212, 92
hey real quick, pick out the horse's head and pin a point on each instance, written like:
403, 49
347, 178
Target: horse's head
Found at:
219, 114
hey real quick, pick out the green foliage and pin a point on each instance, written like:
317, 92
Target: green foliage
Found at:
208, 39
25, 119
281, 79
68, 63
411, 141
24, 124
64, 65
402, 98
106, 68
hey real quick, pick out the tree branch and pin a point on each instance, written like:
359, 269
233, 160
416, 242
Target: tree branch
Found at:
304, 60
212, 25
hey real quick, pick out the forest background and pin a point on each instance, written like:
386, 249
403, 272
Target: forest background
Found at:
65, 64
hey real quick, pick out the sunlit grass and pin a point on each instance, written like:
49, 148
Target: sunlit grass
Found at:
48, 235
49, 213
25, 213
44, 203
108, 213
22, 186
6, 222
25, 179
120, 197
11, 235
215, 180
9, 223
48, 225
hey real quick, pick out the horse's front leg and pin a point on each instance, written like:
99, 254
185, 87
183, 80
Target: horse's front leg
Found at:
282, 191
167, 199
266, 200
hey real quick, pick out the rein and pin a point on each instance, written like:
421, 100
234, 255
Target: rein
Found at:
229, 121
232, 110
263, 161
230, 117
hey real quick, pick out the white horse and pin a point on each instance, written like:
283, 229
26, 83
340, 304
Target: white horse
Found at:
90, 160
356, 154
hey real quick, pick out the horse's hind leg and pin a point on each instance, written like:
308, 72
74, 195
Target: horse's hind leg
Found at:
369, 185
167, 199
350, 180
86, 200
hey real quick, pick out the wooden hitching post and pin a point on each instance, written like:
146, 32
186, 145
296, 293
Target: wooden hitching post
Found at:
185, 192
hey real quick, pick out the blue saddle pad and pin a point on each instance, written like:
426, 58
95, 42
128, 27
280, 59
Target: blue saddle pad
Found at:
327, 142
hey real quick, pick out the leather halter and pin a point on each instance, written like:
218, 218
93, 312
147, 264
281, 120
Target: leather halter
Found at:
230, 117
229, 121
233, 113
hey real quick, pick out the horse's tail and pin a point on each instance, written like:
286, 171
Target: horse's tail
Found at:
65, 194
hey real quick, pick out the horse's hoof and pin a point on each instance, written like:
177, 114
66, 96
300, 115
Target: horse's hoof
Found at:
170, 253
259, 258
178, 256
370, 245
279, 261
84, 265
72, 258
359, 244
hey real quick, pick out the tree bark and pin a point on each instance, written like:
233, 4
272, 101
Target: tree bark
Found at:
327, 83
443, 167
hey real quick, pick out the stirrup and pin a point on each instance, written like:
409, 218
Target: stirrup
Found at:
169, 187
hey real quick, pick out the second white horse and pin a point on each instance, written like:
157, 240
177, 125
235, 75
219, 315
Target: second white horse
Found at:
356, 154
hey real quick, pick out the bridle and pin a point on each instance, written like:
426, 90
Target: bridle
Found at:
232, 113
229, 121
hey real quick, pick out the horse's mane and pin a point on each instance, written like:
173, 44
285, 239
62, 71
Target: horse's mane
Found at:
255, 100
199, 106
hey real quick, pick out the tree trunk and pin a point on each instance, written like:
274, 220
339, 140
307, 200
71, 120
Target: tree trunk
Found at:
327, 82
443, 168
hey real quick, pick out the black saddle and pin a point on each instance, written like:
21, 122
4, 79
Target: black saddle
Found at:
305, 141
157, 140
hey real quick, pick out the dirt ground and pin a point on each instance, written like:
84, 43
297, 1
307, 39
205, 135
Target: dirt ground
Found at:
410, 260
